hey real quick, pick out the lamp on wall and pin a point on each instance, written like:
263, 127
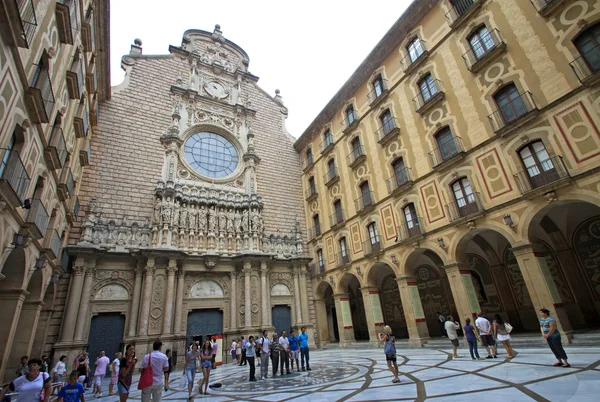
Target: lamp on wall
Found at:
440, 241
508, 220
39, 263
18, 240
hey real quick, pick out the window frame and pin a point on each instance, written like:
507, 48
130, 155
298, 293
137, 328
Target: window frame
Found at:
350, 114
378, 87
427, 85
320, 258
373, 233
399, 172
415, 44
387, 121
481, 44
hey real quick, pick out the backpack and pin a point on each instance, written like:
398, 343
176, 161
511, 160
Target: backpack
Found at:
390, 346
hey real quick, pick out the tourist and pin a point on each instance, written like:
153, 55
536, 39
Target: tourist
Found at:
552, 335
73, 391
442, 323
126, 368
44, 366
451, 326
485, 332
250, 357
294, 350
257, 355
159, 363
303, 339
168, 372
114, 372
471, 339
207, 357
243, 361
31, 384
58, 372
274, 352
215, 347
233, 351
190, 367
284, 353
390, 351
502, 335
102, 363
76, 360
23, 367
83, 369
264, 343
88, 378
238, 351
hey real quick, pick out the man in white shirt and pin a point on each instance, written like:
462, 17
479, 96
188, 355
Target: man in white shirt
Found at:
485, 331
160, 363
284, 353
264, 354
451, 326
102, 363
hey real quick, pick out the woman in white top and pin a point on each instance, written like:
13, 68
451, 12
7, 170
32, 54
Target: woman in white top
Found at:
31, 385
114, 372
233, 351
59, 369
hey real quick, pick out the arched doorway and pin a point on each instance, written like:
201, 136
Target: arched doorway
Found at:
282, 318
327, 320
383, 277
350, 285
203, 323
106, 333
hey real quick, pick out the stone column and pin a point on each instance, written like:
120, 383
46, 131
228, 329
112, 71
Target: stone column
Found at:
247, 300
418, 332
147, 295
266, 294
346, 329
12, 304
72, 307
541, 286
168, 319
297, 302
179, 303
304, 294
233, 304
463, 291
322, 324
82, 316
373, 313
135, 302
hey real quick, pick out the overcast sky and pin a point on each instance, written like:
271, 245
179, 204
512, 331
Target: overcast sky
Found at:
307, 49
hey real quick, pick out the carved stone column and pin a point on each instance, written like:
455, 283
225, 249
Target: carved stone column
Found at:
168, 319
418, 332
344, 319
233, 305
135, 303
82, 316
179, 303
68, 324
247, 300
147, 295
463, 292
266, 294
297, 302
373, 312
304, 294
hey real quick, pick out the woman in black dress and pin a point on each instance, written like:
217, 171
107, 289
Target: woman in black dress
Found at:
168, 372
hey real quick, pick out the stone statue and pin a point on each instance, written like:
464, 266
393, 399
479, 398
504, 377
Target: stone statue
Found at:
237, 221
183, 217
166, 211
192, 217
202, 218
156, 217
255, 219
245, 222
222, 220
212, 219
176, 214
230, 221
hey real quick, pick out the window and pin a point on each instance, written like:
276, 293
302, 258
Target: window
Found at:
317, 225
481, 42
461, 6
463, 194
309, 156
378, 86
588, 45
356, 148
373, 235
312, 188
6, 154
350, 114
538, 164
415, 49
343, 247
400, 171
387, 122
446, 143
339, 212
510, 103
320, 258
211, 155
365, 193
428, 87
331, 167
328, 138
412, 222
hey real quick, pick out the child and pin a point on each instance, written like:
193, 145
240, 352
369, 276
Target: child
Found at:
73, 391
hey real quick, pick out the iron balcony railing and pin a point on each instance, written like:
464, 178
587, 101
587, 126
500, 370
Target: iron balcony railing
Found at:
464, 207
57, 148
327, 143
542, 5
511, 111
378, 91
388, 129
311, 192
67, 20
307, 162
364, 201
37, 219
67, 185
13, 176
356, 154
81, 122
459, 9
88, 32
314, 232
398, 180
54, 244
27, 21
434, 89
331, 175
42, 86
587, 64
445, 151
349, 121
408, 230
416, 55
486, 45
336, 218
75, 78
372, 247
343, 259
539, 175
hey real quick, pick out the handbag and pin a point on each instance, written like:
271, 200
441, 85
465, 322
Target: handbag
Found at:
508, 327
183, 381
147, 375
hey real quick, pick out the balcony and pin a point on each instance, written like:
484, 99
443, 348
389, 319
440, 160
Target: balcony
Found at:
20, 24
587, 66
81, 122
308, 163
87, 32
67, 20
461, 11
350, 123
73, 212
365, 203
327, 144
56, 150
37, 219
331, 177
378, 94
317, 269
371, 248
399, 182
449, 151
85, 153
356, 157
75, 79
40, 96
91, 78
52, 244
94, 111
337, 219
469, 207
311, 193
491, 45
14, 180
514, 114
425, 101
66, 187
411, 61
414, 231
547, 7
543, 177
342, 260
314, 232
388, 132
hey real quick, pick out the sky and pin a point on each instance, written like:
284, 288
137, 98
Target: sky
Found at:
306, 49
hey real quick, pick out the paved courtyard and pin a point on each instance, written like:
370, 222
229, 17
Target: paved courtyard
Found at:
362, 375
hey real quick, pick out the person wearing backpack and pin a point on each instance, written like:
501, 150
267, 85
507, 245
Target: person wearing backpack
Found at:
389, 349
264, 354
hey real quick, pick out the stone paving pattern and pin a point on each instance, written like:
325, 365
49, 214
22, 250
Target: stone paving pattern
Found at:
362, 375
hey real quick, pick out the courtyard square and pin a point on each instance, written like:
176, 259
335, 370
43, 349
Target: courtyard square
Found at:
355, 374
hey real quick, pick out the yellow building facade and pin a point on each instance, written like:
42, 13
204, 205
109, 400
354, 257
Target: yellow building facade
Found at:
456, 171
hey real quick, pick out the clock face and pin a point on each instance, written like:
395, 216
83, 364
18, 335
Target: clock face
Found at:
215, 89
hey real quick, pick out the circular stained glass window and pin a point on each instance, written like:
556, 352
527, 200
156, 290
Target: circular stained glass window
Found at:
211, 155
